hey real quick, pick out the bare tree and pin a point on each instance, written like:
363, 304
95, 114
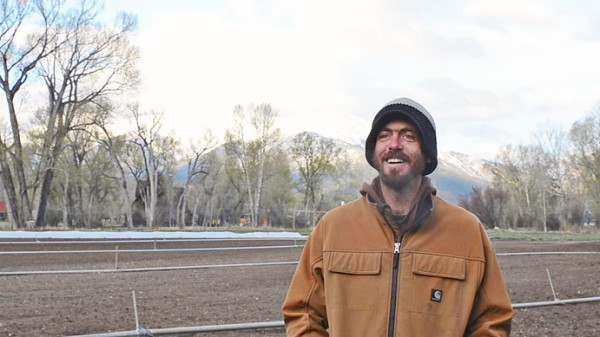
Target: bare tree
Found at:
145, 138
252, 154
115, 146
525, 172
553, 142
585, 139
488, 204
213, 191
158, 154
18, 60
236, 146
195, 168
90, 64
263, 119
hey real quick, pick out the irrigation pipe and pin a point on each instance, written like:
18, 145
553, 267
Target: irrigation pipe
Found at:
167, 250
547, 253
192, 329
548, 242
556, 302
280, 324
130, 270
163, 250
117, 269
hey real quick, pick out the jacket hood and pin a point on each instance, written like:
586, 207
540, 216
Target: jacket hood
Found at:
418, 212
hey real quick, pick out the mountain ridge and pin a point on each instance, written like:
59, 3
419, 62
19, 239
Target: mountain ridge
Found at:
456, 175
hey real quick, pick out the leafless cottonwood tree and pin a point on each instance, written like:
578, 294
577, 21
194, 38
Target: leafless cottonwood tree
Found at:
585, 157
212, 191
236, 146
20, 54
552, 151
262, 117
80, 62
251, 154
158, 152
195, 168
116, 147
146, 136
90, 63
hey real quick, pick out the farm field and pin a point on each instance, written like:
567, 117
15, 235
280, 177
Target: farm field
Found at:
69, 304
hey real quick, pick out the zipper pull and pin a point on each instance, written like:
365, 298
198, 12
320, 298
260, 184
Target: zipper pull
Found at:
397, 247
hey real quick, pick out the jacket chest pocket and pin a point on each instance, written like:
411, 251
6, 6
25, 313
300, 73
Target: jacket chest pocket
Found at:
352, 280
436, 285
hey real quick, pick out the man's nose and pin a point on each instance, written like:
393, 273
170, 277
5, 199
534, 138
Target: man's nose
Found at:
395, 142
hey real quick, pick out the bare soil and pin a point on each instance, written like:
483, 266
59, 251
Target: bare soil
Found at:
86, 303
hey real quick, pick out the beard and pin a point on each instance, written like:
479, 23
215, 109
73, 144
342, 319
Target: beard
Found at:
395, 180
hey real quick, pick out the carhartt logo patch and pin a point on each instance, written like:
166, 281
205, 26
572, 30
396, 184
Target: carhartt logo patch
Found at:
436, 295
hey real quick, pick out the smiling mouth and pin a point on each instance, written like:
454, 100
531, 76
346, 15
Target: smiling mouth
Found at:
395, 161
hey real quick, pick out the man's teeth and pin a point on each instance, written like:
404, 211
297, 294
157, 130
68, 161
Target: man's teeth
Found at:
395, 161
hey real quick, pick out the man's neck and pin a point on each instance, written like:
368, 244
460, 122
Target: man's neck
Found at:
401, 200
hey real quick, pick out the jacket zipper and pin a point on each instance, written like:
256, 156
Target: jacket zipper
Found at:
397, 246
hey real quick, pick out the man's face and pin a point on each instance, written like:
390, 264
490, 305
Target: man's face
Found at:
397, 156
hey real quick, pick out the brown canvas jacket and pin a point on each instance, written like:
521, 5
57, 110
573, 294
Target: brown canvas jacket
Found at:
448, 279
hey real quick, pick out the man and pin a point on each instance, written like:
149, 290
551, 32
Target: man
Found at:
399, 261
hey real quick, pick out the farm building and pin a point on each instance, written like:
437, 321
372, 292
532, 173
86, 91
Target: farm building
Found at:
2, 210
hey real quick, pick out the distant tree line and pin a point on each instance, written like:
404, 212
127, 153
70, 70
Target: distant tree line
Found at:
552, 184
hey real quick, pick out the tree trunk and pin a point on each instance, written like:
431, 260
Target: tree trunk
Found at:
66, 202
40, 219
259, 183
195, 213
181, 205
250, 199
23, 204
12, 203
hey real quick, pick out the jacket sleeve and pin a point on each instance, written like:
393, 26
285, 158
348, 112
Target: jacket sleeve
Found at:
492, 311
304, 307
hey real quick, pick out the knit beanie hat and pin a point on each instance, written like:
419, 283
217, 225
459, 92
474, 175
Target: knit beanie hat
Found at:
414, 113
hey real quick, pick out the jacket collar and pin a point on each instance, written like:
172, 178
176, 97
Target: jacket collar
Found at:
418, 213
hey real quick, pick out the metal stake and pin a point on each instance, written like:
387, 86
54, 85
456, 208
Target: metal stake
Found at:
137, 321
551, 285
117, 258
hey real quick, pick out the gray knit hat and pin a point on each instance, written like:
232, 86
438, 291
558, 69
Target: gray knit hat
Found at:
414, 113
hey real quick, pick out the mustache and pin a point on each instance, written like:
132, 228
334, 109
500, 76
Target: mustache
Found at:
396, 154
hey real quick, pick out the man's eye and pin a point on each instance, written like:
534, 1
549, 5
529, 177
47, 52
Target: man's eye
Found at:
410, 137
383, 136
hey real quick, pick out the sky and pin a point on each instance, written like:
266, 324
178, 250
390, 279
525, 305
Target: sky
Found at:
490, 72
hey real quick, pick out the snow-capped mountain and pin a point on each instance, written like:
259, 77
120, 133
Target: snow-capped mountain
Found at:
466, 164
456, 175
